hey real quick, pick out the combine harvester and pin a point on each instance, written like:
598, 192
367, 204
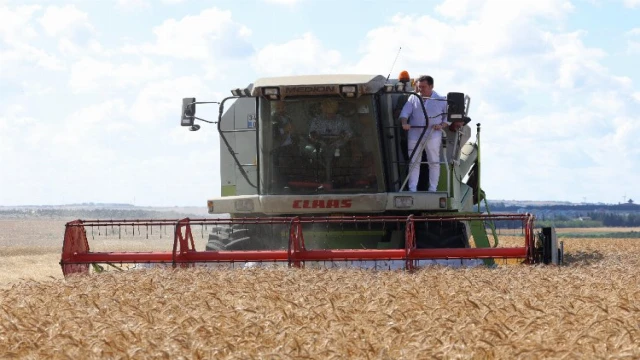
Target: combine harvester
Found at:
336, 198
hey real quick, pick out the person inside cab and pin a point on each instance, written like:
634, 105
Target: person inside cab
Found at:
282, 124
329, 127
285, 143
329, 132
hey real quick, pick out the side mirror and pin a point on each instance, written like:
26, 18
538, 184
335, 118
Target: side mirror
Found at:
188, 111
455, 102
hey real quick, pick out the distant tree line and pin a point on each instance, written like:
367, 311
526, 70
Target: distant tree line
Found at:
626, 207
572, 215
91, 214
595, 219
573, 223
611, 219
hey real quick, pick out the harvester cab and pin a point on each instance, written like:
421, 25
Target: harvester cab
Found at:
314, 172
290, 141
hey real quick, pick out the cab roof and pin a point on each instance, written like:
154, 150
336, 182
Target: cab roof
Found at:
366, 83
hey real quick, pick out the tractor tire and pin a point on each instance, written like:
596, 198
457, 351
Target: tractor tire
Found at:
226, 237
248, 237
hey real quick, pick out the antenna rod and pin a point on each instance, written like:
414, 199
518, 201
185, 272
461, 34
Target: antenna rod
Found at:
394, 63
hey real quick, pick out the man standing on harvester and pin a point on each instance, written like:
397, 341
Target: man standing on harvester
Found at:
414, 121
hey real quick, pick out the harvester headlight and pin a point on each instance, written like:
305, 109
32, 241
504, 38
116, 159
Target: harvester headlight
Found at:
244, 205
388, 87
247, 92
236, 92
210, 206
403, 201
443, 203
349, 90
272, 93
400, 86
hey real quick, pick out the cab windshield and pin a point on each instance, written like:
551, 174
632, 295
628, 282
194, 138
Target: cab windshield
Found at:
311, 145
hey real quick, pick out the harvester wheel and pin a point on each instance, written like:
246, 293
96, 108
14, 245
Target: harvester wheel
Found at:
248, 237
548, 251
225, 237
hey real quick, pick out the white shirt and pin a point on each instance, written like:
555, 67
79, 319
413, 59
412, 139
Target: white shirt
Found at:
412, 110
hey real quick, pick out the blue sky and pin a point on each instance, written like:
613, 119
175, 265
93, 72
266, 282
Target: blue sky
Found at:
90, 91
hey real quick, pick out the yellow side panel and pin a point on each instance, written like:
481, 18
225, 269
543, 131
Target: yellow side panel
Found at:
229, 190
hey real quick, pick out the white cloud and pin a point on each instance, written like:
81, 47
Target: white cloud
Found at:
633, 40
36, 88
12, 119
303, 55
89, 74
574, 58
21, 56
607, 101
94, 117
103, 156
636, 96
63, 20
69, 135
624, 82
199, 37
631, 3
162, 99
15, 25
135, 5
457, 9
132, 5
633, 47
283, 2
505, 53
71, 49
18, 54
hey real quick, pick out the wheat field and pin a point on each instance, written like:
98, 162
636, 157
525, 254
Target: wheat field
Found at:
588, 308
